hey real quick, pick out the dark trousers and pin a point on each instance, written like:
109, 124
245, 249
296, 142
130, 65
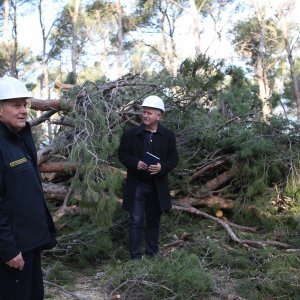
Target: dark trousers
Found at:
23, 285
146, 208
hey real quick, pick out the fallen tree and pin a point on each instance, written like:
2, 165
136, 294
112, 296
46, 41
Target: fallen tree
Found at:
230, 171
231, 233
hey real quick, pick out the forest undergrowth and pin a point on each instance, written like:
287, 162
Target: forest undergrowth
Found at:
197, 260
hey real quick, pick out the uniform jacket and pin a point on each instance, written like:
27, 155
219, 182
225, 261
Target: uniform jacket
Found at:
131, 151
25, 222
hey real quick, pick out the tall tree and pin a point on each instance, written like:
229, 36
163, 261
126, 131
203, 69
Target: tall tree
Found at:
12, 48
5, 22
261, 71
70, 36
74, 13
13, 57
161, 16
194, 12
257, 43
120, 38
290, 36
198, 11
44, 84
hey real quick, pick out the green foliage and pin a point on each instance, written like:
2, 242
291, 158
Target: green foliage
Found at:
81, 242
180, 275
205, 261
100, 248
23, 56
58, 273
93, 144
240, 261
197, 80
280, 279
239, 96
62, 35
246, 38
261, 159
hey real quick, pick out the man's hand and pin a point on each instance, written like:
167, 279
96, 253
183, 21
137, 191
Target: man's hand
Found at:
142, 166
17, 262
154, 169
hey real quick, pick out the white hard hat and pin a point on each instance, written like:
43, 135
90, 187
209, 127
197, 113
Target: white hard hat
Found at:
12, 88
154, 102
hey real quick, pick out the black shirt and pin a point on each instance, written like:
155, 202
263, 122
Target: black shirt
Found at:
145, 176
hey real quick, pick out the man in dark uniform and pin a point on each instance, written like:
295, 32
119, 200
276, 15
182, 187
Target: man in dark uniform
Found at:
149, 153
26, 226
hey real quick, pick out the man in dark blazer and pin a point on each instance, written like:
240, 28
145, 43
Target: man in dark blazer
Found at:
149, 153
26, 226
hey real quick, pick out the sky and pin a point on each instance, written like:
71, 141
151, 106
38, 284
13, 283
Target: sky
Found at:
218, 48
30, 32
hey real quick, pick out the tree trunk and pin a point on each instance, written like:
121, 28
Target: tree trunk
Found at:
13, 49
169, 50
261, 69
5, 23
75, 15
294, 77
44, 88
165, 52
283, 20
120, 39
194, 12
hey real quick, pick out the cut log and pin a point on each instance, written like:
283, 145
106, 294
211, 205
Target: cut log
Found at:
202, 170
218, 181
51, 104
45, 153
55, 192
212, 185
58, 167
213, 201
64, 166
64, 86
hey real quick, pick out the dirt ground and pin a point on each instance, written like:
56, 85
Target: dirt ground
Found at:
85, 288
92, 288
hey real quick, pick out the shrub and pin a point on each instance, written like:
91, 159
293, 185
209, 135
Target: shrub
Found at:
181, 275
